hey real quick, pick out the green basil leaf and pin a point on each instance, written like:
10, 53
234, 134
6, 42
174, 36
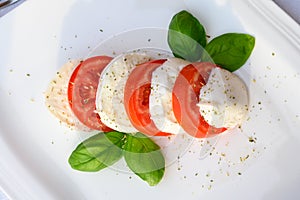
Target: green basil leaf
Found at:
98, 152
230, 50
186, 36
144, 158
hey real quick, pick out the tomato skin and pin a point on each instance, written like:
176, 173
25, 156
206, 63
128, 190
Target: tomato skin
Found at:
186, 97
71, 84
82, 91
136, 98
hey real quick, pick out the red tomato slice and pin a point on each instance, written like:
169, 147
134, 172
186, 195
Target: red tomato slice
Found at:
186, 96
136, 98
82, 91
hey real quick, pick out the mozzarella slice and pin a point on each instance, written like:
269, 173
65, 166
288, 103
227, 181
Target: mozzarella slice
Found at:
160, 101
57, 94
224, 99
110, 94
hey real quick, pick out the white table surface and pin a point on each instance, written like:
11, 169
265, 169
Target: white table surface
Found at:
292, 7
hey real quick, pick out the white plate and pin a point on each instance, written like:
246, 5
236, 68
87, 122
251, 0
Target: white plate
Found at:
40, 36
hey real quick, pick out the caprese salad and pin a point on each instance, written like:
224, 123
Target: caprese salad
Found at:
194, 92
157, 97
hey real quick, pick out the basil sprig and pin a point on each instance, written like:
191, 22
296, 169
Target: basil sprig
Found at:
102, 150
186, 34
230, 50
187, 40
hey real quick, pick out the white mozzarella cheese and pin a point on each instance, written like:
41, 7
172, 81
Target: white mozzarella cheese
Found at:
160, 100
224, 99
57, 94
110, 94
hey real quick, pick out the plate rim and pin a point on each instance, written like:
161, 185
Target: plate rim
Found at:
268, 10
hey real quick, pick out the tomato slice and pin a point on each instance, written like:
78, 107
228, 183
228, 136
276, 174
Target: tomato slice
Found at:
82, 91
136, 98
186, 97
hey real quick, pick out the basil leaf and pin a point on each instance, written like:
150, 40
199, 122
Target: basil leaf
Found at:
144, 158
230, 50
186, 36
98, 152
